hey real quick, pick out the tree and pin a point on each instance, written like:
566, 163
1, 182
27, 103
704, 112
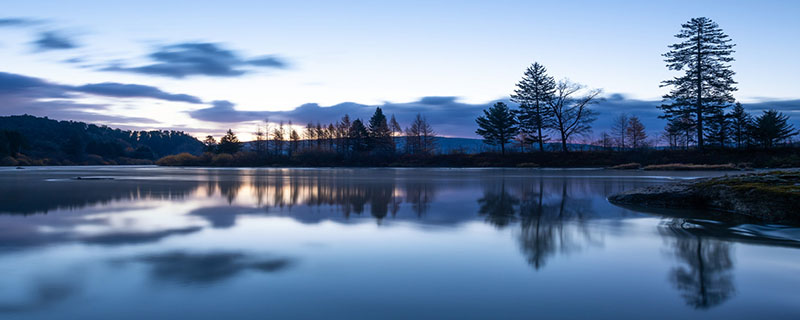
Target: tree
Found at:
718, 132
278, 138
771, 128
605, 141
380, 135
420, 137
11, 142
294, 141
343, 134
210, 144
396, 130
635, 133
358, 136
740, 122
497, 125
619, 129
229, 143
571, 115
260, 144
707, 84
533, 93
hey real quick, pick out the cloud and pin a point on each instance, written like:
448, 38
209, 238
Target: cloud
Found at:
122, 90
450, 117
52, 40
21, 94
19, 22
199, 58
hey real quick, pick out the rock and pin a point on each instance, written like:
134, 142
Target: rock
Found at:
770, 197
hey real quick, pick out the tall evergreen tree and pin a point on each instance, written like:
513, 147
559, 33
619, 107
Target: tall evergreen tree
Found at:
380, 135
707, 83
771, 128
740, 122
497, 125
358, 136
229, 143
533, 93
210, 144
718, 132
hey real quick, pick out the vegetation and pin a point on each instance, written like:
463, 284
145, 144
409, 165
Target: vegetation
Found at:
29, 140
706, 86
497, 126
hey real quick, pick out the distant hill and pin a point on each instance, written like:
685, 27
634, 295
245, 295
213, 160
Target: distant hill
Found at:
28, 138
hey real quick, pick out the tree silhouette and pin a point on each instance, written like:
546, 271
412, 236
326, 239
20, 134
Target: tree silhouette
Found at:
571, 115
229, 143
707, 83
635, 133
771, 128
740, 122
497, 126
380, 135
534, 92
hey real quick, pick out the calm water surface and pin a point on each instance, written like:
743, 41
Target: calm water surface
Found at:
376, 243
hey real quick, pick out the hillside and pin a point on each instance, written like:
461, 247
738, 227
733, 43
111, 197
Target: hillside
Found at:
33, 140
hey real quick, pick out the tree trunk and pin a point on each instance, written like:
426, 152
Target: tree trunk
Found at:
699, 90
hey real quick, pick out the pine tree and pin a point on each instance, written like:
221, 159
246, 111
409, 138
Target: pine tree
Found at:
771, 128
718, 132
497, 126
210, 144
533, 93
229, 143
707, 83
740, 121
636, 133
358, 135
380, 135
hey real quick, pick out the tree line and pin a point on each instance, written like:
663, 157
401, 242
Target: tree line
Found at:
346, 138
695, 108
29, 140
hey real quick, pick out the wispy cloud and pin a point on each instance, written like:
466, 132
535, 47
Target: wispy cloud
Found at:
54, 40
21, 94
199, 58
19, 22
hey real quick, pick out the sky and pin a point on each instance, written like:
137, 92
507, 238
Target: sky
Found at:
206, 66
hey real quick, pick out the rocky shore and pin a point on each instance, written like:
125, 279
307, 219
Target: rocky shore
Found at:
771, 197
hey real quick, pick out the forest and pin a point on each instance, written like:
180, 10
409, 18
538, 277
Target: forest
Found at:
28, 140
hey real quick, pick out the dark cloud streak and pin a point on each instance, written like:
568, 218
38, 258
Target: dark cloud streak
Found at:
52, 40
199, 58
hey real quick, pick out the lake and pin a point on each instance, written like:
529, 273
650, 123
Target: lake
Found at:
197, 243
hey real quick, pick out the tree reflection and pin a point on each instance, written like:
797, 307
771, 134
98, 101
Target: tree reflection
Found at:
551, 221
705, 274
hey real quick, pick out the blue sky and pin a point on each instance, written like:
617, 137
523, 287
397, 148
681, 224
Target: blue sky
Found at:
106, 58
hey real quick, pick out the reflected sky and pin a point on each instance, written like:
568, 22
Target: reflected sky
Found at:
367, 243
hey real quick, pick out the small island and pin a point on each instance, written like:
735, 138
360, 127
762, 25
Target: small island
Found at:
770, 197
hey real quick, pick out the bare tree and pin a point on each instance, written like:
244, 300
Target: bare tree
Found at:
635, 132
571, 115
420, 137
619, 129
